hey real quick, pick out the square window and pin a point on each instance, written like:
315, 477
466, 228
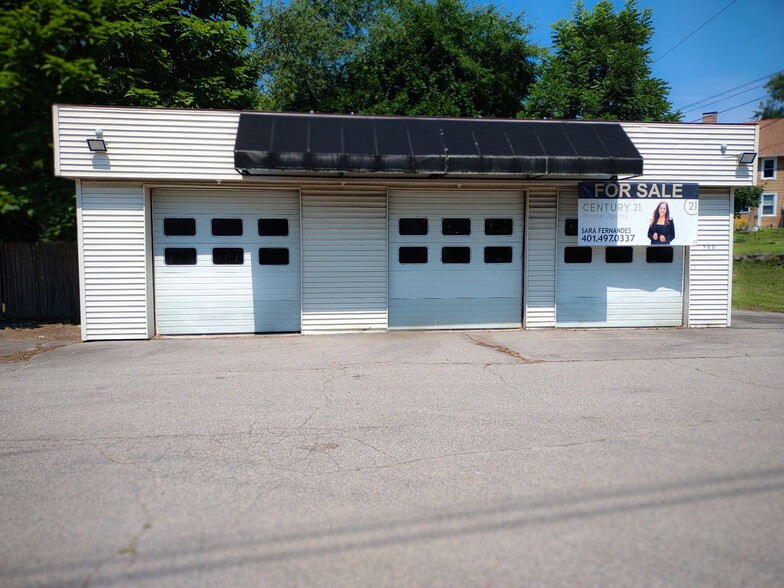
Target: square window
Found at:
570, 227
498, 226
498, 255
179, 256
412, 255
176, 227
768, 168
578, 254
658, 255
412, 226
455, 255
618, 255
768, 205
226, 227
273, 256
456, 226
273, 227
228, 256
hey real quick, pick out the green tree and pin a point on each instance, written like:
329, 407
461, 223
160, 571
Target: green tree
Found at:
746, 197
444, 58
416, 57
183, 53
773, 107
599, 68
304, 48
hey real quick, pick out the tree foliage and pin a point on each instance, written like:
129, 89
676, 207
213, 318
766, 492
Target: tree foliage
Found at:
445, 58
416, 57
773, 107
304, 48
600, 68
747, 197
180, 53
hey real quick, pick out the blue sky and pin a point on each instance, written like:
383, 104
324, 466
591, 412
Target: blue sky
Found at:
743, 43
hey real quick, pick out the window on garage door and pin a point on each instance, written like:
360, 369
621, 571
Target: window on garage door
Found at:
228, 256
226, 227
456, 226
179, 227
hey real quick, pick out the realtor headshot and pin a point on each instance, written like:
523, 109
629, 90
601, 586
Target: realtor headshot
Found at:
662, 228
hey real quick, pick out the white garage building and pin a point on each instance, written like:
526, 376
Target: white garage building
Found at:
207, 222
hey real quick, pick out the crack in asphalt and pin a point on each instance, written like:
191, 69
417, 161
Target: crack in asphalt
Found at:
502, 349
724, 376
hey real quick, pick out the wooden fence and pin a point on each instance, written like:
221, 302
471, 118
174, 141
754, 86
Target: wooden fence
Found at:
39, 281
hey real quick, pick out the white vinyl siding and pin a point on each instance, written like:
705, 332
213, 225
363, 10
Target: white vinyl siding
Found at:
455, 295
114, 283
146, 143
206, 298
710, 263
199, 145
540, 258
675, 152
344, 252
601, 294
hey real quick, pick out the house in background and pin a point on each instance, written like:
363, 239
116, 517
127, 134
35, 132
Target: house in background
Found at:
770, 175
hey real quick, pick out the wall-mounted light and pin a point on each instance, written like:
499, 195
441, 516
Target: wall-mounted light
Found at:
747, 157
724, 149
97, 145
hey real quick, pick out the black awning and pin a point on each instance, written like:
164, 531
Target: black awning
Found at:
296, 143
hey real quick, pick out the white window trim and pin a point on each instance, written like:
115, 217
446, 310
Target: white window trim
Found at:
761, 207
762, 168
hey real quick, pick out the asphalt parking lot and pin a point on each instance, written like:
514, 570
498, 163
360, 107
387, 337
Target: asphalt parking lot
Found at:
475, 458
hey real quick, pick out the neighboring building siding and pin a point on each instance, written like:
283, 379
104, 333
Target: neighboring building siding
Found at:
146, 143
710, 263
540, 247
114, 273
344, 254
692, 152
773, 186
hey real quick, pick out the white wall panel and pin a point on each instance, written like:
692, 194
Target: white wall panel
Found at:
199, 145
601, 294
470, 295
206, 298
674, 152
114, 272
710, 263
146, 143
540, 257
344, 253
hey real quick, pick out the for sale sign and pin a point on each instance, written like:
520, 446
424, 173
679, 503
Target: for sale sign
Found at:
637, 213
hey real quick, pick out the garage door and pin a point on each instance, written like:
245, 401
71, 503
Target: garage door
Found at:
614, 286
226, 261
455, 259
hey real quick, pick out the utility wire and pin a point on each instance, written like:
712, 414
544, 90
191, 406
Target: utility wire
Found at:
733, 107
695, 30
688, 106
723, 99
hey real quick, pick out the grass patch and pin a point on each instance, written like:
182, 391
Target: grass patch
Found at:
762, 241
758, 286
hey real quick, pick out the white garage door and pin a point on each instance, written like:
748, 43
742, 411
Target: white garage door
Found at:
455, 259
226, 261
614, 286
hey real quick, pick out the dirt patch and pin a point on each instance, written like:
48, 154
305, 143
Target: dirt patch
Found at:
21, 340
23, 330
